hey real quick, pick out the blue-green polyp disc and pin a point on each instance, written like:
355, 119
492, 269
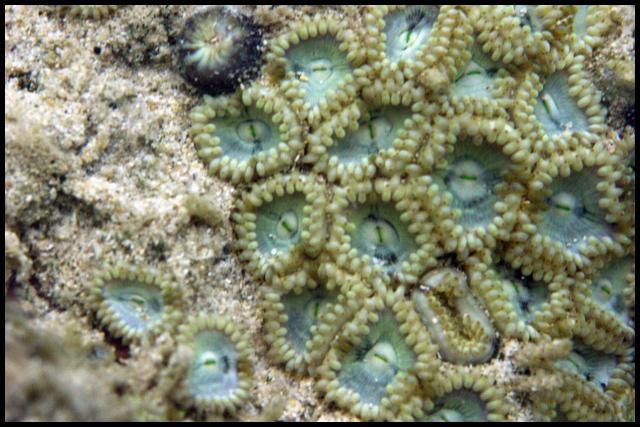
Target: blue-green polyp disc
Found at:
213, 372
471, 178
478, 77
525, 294
371, 365
608, 288
138, 305
376, 132
319, 66
593, 365
407, 31
457, 406
303, 311
279, 223
380, 234
572, 213
556, 110
246, 135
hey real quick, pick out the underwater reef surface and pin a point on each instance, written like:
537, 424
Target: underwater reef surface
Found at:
320, 213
